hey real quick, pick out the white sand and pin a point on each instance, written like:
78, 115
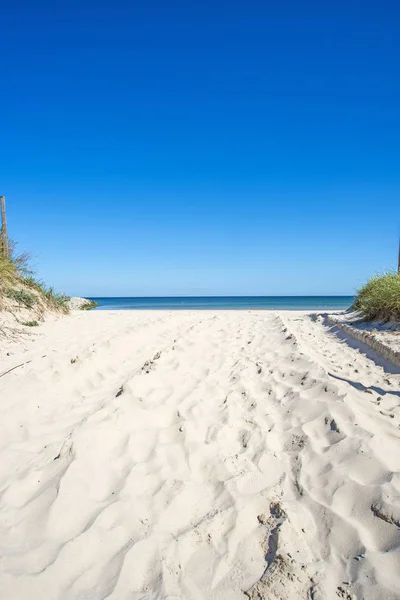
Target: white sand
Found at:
197, 455
383, 336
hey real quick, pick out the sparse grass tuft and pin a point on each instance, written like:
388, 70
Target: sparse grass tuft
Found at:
54, 300
24, 298
51, 297
35, 284
31, 324
380, 298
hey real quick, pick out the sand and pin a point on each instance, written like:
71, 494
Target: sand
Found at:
197, 455
382, 336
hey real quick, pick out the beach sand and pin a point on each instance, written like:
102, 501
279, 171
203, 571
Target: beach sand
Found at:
197, 455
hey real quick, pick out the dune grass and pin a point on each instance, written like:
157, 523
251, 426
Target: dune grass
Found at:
380, 298
8, 271
8, 277
18, 283
55, 300
21, 297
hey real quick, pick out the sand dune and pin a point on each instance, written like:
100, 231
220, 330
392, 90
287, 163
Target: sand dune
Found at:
197, 455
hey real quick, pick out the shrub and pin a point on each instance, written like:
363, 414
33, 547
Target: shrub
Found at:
380, 297
31, 324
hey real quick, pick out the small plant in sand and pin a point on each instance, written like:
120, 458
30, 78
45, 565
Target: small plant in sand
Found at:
380, 298
21, 297
31, 324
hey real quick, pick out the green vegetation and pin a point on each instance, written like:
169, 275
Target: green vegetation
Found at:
89, 305
17, 282
33, 283
21, 296
7, 271
380, 298
55, 300
31, 324
7, 276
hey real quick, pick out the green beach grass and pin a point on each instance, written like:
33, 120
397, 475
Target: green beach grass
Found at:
380, 298
18, 283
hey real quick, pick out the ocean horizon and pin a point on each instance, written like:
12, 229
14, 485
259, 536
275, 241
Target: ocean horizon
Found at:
224, 302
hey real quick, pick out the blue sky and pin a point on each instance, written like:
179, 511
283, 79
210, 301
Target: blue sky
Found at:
202, 148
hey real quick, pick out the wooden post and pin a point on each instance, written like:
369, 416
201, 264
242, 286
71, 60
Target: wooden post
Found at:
398, 263
4, 237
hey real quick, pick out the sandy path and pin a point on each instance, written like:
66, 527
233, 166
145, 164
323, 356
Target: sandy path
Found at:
197, 455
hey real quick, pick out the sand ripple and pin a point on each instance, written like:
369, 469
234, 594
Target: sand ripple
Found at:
197, 455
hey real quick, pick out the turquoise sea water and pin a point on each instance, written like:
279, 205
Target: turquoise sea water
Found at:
228, 302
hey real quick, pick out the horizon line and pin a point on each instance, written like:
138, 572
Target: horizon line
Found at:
237, 296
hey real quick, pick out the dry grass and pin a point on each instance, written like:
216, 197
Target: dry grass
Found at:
8, 271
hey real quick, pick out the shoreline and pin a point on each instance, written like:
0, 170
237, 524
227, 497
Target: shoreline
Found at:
211, 454
323, 303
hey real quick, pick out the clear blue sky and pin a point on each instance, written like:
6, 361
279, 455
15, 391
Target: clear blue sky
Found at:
157, 148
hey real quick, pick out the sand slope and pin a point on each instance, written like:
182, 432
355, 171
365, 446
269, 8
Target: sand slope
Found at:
197, 455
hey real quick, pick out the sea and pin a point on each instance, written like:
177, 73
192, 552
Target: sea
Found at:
227, 302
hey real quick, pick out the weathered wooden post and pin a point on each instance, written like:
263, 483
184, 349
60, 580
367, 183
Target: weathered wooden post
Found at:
4, 236
398, 262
